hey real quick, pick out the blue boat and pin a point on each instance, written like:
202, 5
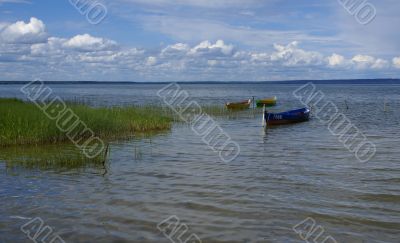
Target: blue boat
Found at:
288, 117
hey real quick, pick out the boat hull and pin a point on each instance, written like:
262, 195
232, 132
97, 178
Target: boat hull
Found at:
289, 117
239, 105
267, 102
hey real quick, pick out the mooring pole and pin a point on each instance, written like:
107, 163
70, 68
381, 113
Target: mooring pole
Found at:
263, 121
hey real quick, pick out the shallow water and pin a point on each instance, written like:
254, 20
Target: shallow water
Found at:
280, 178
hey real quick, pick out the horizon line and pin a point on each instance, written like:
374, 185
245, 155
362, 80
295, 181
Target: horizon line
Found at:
202, 82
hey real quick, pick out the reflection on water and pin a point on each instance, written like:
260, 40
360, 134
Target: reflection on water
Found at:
48, 157
280, 178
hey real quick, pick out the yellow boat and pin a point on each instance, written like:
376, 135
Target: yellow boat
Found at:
238, 105
267, 102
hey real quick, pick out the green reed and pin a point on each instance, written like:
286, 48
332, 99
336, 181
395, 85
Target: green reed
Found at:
22, 123
53, 157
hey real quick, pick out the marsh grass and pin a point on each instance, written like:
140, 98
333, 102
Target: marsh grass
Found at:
44, 157
29, 139
22, 123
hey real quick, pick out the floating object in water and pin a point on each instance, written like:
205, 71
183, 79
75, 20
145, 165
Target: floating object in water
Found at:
267, 102
288, 117
239, 105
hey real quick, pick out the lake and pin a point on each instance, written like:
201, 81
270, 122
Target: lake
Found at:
281, 177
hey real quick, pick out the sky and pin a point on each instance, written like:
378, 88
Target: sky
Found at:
198, 40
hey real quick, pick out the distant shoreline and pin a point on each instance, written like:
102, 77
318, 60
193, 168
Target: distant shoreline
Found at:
333, 81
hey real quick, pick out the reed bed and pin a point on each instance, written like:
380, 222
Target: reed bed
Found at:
22, 123
54, 157
47, 147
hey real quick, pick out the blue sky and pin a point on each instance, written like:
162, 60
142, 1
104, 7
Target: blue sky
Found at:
222, 40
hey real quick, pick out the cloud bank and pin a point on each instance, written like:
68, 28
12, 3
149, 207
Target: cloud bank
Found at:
27, 51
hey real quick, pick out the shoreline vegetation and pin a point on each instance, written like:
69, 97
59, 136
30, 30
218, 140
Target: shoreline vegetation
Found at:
46, 157
30, 139
22, 123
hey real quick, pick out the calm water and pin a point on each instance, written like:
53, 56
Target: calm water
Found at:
280, 178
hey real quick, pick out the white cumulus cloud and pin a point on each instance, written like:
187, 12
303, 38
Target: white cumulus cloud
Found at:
366, 62
151, 61
291, 55
87, 57
178, 49
362, 61
336, 60
24, 33
380, 64
89, 43
396, 62
51, 48
209, 49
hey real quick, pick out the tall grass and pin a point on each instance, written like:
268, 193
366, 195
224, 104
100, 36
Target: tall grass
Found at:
54, 157
45, 146
22, 123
